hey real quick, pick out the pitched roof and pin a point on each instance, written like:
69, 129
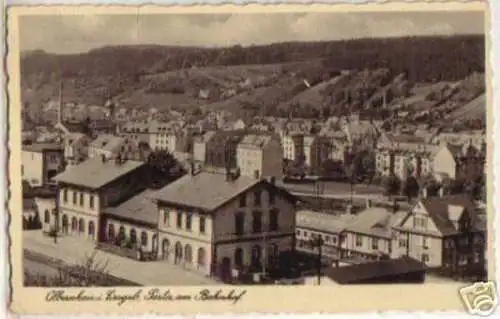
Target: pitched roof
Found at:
437, 208
141, 207
373, 270
93, 173
374, 221
204, 190
322, 222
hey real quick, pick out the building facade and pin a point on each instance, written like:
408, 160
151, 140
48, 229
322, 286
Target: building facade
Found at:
40, 162
260, 155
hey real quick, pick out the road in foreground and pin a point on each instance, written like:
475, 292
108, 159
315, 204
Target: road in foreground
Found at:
73, 250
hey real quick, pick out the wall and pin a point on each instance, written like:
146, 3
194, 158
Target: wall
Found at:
128, 226
32, 167
249, 160
384, 245
444, 162
46, 205
272, 160
199, 149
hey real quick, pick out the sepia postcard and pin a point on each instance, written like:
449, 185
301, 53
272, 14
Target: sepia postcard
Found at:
250, 159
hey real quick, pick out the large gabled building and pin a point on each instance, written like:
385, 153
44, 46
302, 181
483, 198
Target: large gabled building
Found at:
219, 222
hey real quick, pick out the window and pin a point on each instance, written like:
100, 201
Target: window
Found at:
298, 232
81, 199
46, 216
425, 242
359, 240
243, 200
327, 238
179, 220
272, 197
425, 258
189, 218
375, 243
202, 225
65, 195
165, 214
273, 220
239, 223
74, 198
257, 222
334, 240
91, 201
402, 242
144, 238
305, 234
257, 195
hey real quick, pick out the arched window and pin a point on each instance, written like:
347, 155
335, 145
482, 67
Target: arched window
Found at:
188, 254
121, 234
46, 217
144, 238
133, 236
74, 224
165, 248
201, 257
81, 225
238, 257
65, 223
178, 252
111, 232
91, 229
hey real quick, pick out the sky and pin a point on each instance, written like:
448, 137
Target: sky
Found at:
81, 33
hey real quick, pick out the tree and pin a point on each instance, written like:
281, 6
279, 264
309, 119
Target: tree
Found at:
391, 185
410, 188
164, 167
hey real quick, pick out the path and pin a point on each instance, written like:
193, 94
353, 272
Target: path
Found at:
73, 250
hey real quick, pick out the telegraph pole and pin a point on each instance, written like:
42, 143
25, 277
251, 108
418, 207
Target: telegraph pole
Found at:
318, 243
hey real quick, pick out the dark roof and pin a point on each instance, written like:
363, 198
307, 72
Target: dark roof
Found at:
140, 208
437, 208
41, 147
373, 270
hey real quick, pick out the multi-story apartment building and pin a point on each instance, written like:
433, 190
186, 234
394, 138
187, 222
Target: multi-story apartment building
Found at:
293, 146
260, 155
221, 148
242, 224
76, 148
91, 186
40, 162
443, 232
317, 149
403, 156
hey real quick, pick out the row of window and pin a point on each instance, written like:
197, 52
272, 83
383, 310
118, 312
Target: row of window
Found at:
185, 221
239, 222
326, 238
79, 199
257, 198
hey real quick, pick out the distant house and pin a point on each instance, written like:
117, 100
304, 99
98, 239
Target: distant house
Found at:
260, 155
40, 162
111, 146
200, 146
75, 148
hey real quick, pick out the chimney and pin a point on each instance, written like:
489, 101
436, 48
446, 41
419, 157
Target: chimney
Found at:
103, 158
118, 159
256, 174
395, 206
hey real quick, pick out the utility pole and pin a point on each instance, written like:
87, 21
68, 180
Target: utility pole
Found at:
317, 242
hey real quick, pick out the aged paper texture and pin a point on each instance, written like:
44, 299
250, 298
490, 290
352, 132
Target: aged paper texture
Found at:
236, 159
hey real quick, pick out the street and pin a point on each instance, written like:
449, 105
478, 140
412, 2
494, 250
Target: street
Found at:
73, 250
